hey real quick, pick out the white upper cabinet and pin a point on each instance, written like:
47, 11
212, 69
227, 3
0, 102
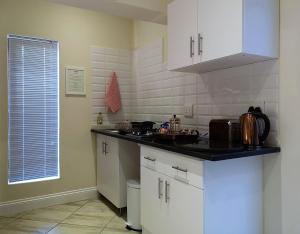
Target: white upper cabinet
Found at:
219, 28
228, 33
183, 31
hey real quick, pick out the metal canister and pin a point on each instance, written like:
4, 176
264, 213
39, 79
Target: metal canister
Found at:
175, 124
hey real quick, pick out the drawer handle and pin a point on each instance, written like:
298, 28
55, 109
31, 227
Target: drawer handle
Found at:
179, 169
150, 159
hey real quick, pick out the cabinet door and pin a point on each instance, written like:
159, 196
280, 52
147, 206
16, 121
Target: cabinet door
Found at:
100, 155
184, 208
152, 203
220, 25
109, 185
182, 28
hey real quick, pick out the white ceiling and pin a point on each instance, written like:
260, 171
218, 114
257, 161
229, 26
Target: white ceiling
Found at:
147, 10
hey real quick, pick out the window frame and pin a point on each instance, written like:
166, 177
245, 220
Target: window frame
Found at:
58, 110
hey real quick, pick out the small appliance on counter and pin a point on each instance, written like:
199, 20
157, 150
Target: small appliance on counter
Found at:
226, 132
136, 129
255, 127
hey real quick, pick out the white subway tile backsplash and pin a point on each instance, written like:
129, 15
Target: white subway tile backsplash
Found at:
98, 87
150, 92
203, 110
265, 68
203, 121
220, 94
104, 62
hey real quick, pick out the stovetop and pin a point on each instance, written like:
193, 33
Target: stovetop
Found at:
140, 133
140, 136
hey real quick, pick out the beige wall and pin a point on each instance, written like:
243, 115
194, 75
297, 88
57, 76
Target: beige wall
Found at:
76, 30
146, 32
290, 115
155, 5
282, 174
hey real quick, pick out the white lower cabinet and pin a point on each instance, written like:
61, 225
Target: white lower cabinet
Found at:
169, 204
181, 194
152, 201
184, 208
108, 169
117, 162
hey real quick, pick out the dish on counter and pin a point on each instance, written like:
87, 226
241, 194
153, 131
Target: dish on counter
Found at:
182, 136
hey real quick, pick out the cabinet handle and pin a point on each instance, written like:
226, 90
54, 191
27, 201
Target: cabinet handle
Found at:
192, 41
179, 169
200, 44
160, 181
167, 191
150, 159
103, 147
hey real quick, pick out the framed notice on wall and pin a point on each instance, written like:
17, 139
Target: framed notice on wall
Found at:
75, 81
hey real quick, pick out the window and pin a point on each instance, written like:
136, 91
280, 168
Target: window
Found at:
33, 109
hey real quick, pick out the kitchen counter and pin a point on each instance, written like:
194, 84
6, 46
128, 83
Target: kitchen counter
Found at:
201, 150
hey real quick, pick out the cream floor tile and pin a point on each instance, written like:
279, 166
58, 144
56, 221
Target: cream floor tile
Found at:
97, 203
20, 226
93, 210
74, 229
4, 221
18, 215
95, 200
65, 207
78, 203
116, 231
87, 220
47, 214
117, 222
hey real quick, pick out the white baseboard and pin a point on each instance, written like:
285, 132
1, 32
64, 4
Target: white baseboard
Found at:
18, 206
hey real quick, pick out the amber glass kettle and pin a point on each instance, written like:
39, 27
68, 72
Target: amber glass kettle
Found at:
255, 127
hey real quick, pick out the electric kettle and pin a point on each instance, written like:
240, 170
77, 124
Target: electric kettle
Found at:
255, 127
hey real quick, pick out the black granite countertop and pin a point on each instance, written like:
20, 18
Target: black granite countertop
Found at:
201, 150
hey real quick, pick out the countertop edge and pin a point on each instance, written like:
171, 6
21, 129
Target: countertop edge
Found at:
195, 154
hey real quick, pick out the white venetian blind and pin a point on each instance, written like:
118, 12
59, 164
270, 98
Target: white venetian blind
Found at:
33, 109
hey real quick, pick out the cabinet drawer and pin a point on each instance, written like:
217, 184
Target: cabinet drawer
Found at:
149, 161
180, 167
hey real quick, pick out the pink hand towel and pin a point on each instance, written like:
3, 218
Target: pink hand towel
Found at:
113, 97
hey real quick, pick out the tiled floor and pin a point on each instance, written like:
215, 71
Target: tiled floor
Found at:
84, 217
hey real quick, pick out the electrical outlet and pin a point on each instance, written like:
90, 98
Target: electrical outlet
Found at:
188, 111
